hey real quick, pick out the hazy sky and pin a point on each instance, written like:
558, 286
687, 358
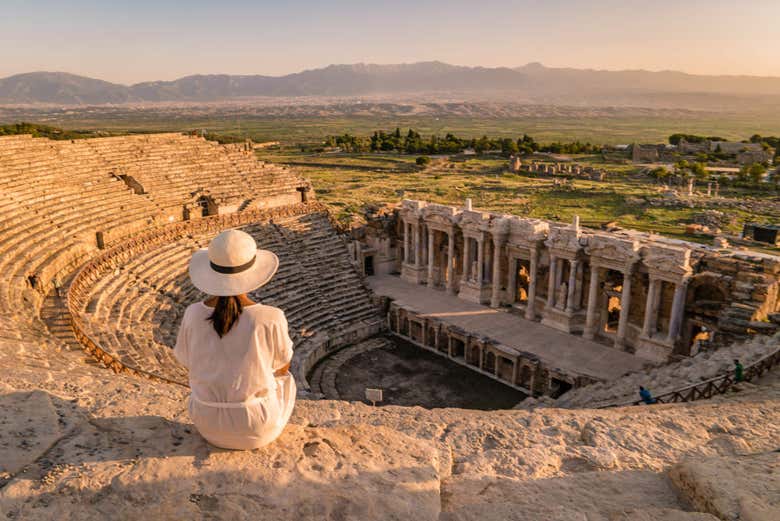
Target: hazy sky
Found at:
143, 40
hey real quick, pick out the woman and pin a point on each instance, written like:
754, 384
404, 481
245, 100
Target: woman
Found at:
237, 351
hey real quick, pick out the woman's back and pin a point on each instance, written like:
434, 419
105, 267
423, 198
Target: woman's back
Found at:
241, 398
237, 352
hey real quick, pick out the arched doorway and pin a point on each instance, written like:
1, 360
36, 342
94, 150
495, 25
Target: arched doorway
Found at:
490, 362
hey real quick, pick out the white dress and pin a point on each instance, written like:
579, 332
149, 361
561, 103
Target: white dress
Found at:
236, 401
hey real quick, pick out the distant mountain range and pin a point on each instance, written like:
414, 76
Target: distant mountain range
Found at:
532, 83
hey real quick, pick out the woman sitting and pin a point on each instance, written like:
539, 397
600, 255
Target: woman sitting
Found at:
237, 351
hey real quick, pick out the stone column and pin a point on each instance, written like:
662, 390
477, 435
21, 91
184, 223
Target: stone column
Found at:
431, 236
417, 245
514, 371
412, 239
651, 308
530, 308
406, 241
573, 267
424, 242
511, 285
678, 307
451, 261
495, 297
466, 259
580, 284
551, 282
558, 279
591, 317
625, 303
488, 269
480, 260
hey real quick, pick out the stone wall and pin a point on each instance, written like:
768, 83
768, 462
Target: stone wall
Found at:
520, 370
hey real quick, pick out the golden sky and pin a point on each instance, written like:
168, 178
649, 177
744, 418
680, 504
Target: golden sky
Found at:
145, 40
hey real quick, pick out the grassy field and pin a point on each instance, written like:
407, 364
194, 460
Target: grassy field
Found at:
351, 182
545, 127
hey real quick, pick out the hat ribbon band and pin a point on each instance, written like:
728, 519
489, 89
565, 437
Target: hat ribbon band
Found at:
232, 270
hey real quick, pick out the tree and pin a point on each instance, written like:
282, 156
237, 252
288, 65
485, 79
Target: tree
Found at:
509, 147
756, 172
660, 173
699, 171
682, 165
482, 145
423, 161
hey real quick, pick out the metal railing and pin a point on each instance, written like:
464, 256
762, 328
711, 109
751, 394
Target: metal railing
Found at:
711, 387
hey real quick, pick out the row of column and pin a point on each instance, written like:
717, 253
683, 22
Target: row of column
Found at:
652, 307
533, 261
450, 268
415, 249
413, 255
565, 302
468, 274
536, 379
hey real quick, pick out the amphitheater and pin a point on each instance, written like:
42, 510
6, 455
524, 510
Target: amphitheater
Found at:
95, 236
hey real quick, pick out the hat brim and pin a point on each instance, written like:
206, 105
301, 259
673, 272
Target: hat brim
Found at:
226, 285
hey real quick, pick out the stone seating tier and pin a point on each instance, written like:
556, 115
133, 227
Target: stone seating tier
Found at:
64, 199
133, 310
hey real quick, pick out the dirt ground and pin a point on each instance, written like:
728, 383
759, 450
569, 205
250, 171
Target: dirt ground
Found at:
410, 376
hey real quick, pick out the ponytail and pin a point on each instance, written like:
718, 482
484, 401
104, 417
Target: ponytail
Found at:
226, 314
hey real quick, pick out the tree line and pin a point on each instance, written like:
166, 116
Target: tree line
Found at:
412, 142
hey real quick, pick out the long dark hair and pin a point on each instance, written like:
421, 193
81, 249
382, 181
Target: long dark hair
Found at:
226, 314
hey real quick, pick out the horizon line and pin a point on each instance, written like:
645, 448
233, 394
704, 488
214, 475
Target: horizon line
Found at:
506, 67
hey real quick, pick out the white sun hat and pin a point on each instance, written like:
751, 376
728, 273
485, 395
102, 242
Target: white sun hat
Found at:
232, 265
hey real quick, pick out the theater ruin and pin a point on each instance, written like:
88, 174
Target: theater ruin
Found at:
95, 237
656, 298
112, 222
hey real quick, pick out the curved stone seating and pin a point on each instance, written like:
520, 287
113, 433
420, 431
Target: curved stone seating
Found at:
129, 301
65, 200
174, 168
